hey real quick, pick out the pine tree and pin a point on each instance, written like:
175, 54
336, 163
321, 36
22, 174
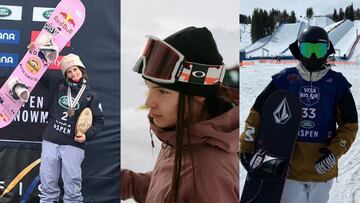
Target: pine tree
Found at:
284, 16
341, 14
255, 25
351, 12
292, 18
335, 16
357, 14
309, 12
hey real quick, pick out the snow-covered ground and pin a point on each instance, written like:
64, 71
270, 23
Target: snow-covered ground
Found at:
253, 79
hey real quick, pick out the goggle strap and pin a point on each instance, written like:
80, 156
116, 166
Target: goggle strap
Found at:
201, 74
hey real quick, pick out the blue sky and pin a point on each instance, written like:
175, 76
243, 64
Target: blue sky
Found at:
299, 6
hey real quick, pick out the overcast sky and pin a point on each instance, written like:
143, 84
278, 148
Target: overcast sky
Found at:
299, 6
146, 16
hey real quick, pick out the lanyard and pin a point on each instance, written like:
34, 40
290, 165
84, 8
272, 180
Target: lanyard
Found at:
77, 98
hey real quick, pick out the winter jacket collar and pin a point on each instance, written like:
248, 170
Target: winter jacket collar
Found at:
221, 131
312, 76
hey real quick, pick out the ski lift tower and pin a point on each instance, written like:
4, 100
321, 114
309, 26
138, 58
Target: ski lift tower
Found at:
264, 50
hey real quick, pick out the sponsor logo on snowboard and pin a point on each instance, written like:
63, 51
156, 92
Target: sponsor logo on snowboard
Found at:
10, 12
8, 60
63, 102
282, 113
307, 124
33, 65
64, 21
9, 36
52, 30
5, 12
46, 14
309, 95
4, 117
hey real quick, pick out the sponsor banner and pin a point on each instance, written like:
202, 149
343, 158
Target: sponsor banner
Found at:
10, 12
34, 34
41, 14
9, 60
19, 182
56, 64
9, 36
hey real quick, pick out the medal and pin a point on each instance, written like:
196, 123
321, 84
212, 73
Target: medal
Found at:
71, 103
70, 112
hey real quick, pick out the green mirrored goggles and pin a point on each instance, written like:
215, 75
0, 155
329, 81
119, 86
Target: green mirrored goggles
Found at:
309, 48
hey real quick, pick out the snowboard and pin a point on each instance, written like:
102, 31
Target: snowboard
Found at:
64, 22
274, 144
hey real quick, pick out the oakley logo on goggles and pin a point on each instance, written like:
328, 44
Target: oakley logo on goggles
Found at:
308, 48
160, 62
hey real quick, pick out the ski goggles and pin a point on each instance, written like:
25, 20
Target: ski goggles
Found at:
160, 62
308, 48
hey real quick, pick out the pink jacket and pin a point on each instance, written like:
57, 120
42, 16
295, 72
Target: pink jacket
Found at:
214, 147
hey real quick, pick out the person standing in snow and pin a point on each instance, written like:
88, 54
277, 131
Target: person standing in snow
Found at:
196, 119
328, 109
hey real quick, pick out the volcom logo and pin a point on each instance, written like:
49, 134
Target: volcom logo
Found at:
282, 113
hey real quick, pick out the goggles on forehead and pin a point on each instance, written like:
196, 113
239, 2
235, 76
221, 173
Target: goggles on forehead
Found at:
308, 48
160, 62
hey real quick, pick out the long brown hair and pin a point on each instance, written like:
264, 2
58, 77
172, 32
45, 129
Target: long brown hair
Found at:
190, 112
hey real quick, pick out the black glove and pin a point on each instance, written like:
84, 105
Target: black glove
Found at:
326, 162
245, 160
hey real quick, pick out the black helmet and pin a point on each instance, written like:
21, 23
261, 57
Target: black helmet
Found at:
303, 48
314, 34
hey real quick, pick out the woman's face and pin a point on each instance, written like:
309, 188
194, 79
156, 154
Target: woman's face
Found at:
74, 73
163, 104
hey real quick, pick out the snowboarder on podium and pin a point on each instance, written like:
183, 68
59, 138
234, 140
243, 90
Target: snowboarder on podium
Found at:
329, 119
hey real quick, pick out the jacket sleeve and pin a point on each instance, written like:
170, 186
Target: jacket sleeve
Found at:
134, 185
247, 137
252, 123
98, 118
347, 120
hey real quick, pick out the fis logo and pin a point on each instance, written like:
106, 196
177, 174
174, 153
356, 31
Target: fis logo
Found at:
17, 181
9, 36
8, 60
282, 113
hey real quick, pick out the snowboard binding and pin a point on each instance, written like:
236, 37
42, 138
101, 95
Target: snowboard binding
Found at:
18, 90
48, 49
268, 166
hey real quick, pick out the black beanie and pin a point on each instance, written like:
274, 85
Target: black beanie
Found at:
198, 46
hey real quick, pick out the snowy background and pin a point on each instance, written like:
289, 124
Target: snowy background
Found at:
161, 18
